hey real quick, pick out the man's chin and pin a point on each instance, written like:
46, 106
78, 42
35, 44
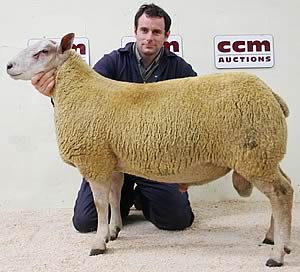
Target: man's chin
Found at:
150, 51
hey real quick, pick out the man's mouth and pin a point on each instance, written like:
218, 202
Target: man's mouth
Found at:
149, 45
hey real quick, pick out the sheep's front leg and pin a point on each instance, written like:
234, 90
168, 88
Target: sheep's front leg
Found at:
114, 200
101, 197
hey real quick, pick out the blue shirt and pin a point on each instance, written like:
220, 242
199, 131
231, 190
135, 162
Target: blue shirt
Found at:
122, 65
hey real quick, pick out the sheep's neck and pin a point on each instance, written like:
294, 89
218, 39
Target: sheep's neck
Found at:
73, 74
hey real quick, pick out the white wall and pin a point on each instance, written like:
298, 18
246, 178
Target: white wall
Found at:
32, 174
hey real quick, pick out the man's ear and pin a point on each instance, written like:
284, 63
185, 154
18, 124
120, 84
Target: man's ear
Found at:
167, 34
66, 43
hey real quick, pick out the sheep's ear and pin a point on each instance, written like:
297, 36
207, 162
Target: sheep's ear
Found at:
66, 43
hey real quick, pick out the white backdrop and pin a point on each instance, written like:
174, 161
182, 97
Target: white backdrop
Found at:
32, 174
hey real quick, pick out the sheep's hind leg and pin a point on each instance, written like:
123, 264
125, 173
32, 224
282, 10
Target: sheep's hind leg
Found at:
101, 198
280, 193
244, 189
241, 185
114, 200
269, 238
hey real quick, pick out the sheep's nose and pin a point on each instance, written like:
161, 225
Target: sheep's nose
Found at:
9, 66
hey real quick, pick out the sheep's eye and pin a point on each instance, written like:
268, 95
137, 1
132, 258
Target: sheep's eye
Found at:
44, 51
36, 56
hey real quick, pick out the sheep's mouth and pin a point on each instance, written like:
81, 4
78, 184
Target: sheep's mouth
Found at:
15, 75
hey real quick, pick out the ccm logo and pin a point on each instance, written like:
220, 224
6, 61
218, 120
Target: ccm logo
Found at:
81, 48
244, 46
244, 51
172, 46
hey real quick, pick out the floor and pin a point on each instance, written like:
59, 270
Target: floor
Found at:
226, 236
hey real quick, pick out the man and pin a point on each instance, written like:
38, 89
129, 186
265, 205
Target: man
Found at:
144, 61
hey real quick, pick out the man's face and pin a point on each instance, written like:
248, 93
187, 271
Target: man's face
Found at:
150, 35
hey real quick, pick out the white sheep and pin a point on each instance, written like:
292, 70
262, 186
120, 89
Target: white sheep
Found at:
191, 130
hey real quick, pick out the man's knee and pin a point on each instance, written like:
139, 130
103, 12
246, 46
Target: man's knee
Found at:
172, 214
182, 219
84, 223
177, 220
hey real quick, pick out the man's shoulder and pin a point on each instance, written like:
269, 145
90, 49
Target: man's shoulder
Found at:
174, 58
171, 56
117, 55
178, 64
127, 49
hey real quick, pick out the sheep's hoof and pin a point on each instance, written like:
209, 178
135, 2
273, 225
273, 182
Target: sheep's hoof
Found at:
268, 241
115, 235
287, 250
273, 263
96, 251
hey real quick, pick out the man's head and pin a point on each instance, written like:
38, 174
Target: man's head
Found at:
152, 10
152, 29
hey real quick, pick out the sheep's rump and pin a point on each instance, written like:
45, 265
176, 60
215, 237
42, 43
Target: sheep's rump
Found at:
163, 128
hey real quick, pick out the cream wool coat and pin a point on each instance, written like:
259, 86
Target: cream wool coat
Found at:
187, 130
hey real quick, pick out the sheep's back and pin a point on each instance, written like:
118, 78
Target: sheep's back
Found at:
218, 119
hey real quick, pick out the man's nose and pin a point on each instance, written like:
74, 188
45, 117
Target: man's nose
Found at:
149, 35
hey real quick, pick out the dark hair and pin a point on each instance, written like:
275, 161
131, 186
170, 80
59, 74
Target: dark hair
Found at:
152, 10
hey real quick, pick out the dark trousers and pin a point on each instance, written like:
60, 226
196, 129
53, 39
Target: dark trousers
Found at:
161, 203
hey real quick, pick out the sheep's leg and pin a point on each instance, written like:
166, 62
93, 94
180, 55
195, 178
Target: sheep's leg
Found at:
101, 198
269, 238
280, 193
114, 200
241, 185
282, 228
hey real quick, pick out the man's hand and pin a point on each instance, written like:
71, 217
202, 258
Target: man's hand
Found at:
44, 82
183, 187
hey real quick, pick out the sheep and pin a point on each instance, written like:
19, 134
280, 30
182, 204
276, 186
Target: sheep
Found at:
191, 131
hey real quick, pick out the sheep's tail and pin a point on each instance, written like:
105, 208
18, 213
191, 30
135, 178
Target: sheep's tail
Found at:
282, 104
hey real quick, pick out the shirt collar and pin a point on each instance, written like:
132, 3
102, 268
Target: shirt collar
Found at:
140, 59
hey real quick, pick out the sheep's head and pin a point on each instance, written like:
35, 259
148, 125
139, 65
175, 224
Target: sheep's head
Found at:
40, 57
